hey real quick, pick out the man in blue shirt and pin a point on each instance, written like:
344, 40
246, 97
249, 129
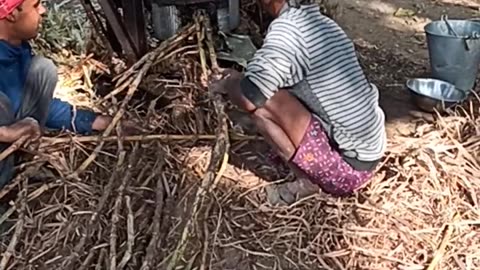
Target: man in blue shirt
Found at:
27, 83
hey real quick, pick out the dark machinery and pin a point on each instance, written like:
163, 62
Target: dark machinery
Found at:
167, 14
125, 28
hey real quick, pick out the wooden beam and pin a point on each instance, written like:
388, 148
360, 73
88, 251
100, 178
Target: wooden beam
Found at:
134, 21
116, 23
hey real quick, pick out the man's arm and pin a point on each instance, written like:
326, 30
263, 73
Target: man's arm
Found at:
61, 115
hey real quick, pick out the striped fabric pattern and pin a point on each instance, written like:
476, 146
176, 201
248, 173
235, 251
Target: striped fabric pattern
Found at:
302, 45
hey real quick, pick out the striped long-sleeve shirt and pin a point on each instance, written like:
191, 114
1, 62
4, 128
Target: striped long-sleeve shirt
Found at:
305, 48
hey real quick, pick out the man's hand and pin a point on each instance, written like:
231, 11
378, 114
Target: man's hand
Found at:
128, 128
228, 82
101, 122
27, 127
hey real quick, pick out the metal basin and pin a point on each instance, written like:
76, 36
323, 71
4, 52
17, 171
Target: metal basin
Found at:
431, 94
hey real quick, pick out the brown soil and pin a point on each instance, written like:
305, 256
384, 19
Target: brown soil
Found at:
393, 48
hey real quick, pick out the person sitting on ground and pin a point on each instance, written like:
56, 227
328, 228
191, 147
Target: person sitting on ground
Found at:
308, 96
27, 84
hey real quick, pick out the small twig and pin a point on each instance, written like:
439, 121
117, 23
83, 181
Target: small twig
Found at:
117, 90
108, 189
103, 254
18, 227
211, 48
32, 196
13, 147
200, 37
206, 243
48, 142
157, 220
223, 130
27, 173
180, 50
443, 245
88, 260
130, 234
168, 210
117, 207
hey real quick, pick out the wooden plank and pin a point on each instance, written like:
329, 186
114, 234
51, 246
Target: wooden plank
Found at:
134, 21
115, 22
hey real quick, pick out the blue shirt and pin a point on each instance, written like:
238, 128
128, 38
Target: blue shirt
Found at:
14, 65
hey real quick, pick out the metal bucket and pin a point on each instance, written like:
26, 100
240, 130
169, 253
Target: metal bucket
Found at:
454, 50
165, 20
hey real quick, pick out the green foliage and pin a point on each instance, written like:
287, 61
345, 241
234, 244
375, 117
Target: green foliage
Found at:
65, 27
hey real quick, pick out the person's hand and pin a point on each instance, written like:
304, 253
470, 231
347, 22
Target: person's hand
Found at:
130, 128
230, 73
27, 128
221, 82
101, 122
127, 128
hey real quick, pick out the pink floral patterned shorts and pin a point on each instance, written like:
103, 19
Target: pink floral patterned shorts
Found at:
324, 165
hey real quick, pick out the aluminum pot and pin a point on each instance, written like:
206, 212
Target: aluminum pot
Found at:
432, 94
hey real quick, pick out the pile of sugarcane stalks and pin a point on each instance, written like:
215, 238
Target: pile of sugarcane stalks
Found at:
103, 203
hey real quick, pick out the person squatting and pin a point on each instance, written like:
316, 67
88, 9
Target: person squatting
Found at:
27, 84
308, 96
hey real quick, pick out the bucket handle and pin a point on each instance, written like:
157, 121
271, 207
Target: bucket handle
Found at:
450, 28
475, 36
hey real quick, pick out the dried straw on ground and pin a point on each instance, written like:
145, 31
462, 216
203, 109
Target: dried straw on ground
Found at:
175, 197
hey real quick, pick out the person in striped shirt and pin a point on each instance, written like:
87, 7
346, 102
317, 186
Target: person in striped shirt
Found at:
309, 97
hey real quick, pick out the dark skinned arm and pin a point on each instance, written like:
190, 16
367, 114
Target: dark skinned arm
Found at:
25, 127
267, 118
234, 92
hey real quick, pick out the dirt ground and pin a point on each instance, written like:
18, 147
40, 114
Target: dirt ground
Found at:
394, 46
377, 23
